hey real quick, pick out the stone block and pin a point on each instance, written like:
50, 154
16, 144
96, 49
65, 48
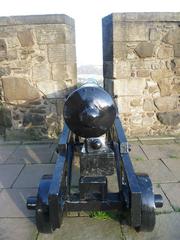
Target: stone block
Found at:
143, 73
122, 69
58, 33
108, 69
8, 174
123, 104
18, 89
61, 72
57, 53
164, 78
26, 38
120, 50
148, 105
169, 118
33, 119
63, 53
177, 50
136, 120
176, 88
125, 87
176, 62
152, 86
59, 106
29, 133
137, 130
172, 37
136, 102
5, 117
18, 228
166, 103
148, 121
37, 20
154, 34
3, 50
41, 153
145, 49
13, 42
108, 51
177, 71
12, 55
5, 71
165, 87
13, 203
165, 51
53, 89
128, 31
31, 174
41, 72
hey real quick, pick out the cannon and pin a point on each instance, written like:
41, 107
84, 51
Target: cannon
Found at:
93, 132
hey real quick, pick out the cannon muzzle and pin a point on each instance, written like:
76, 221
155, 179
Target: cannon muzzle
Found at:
89, 111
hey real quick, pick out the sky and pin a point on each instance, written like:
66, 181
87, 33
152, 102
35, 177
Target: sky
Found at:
88, 15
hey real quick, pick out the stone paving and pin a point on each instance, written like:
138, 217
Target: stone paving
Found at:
22, 165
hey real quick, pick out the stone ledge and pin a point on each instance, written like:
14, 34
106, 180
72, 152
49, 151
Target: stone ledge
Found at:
143, 17
36, 19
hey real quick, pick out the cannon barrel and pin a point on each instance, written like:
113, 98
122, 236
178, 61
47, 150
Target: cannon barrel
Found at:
89, 111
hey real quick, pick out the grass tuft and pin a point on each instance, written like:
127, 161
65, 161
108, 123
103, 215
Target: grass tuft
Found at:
173, 156
177, 209
139, 159
101, 215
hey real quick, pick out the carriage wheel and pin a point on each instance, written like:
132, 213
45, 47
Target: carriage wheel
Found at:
148, 218
42, 210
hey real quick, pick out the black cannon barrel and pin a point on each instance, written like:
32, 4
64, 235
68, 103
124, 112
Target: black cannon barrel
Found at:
89, 111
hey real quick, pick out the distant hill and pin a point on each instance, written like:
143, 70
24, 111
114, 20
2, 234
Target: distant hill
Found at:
90, 69
90, 72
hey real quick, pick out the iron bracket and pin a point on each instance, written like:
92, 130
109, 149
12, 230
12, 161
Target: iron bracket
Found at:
125, 147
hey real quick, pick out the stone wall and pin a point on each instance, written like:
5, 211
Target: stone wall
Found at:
141, 63
37, 70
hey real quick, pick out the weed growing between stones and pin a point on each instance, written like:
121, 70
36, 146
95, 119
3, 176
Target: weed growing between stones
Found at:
101, 215
139, 159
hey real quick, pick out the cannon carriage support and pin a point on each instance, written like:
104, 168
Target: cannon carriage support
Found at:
93, 130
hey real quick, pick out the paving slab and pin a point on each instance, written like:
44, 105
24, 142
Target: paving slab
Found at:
177, 140
86, 228
54, 157
136, 152
174, 165
161, 151
157, 141
167, 227
112, 183
13, 203
17, 229
6, 151
157, 171
31, 174
41, 153
166, 205
8, 174
172, 191
134, 140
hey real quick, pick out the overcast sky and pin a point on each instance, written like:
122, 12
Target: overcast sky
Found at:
87, 15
